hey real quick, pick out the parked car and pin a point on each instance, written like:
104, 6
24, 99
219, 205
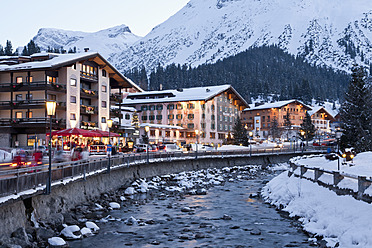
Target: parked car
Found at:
278, 144
170, 148
349, 154
62, 156
329, 142
141, 147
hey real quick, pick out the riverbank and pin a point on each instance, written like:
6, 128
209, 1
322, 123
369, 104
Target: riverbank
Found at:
341, 221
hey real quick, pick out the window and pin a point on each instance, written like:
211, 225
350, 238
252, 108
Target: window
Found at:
159, 117
73, 82
19, 80
144, 117
29, 96
190, 116
144, 108
104, 73
213, 126
73, 99
152, 132
202, 106
19, 97
103, 119
51, 79
203, 116
182, 134
152, 117
190, 106
73, 117
170, 106
52, 97
18, 115
179, 117
212, 135
202, 125
74, 66
160, 133
29, 79
104, 88
212, 107
179, 106
29, 114
159, 107
263, 118
268, 118
127, 116
170, 117
152, 107
104, 104
213, 117
167, 133
190, 125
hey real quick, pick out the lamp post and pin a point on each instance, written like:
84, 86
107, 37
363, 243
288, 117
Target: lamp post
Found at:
51, 110
109, 147
147, 129
294, 140
250, 142
338, 137
197, 141
303, 135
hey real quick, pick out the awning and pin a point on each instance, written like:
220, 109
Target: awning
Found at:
73, 131
100, 133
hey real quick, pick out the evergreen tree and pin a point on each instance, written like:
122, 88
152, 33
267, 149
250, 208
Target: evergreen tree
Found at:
356, 112
287, 123
32, 48
308, 129
274, 129
240, 133
8, 50
25, 52
2, 53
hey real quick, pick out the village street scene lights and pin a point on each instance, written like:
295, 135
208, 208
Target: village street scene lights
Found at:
147, 129
250, 142
197, 142
51, 110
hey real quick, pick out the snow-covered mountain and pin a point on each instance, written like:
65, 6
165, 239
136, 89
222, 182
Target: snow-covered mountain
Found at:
107, 42
327, 32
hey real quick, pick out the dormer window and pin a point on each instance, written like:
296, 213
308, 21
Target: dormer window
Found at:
104, 73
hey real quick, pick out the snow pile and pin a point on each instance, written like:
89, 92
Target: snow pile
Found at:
321, 211
71, 232
114, 205
56, 241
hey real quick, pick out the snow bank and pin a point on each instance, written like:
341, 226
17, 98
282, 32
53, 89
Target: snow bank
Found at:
321, 211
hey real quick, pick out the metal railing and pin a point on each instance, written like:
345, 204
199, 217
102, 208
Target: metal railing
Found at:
14, 181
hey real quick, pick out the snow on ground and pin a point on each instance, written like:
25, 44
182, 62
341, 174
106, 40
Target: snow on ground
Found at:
321, 211
361, 164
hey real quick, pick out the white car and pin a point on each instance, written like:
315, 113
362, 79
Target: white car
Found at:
170, 148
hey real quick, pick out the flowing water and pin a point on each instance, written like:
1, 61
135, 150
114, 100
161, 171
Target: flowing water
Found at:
227, 216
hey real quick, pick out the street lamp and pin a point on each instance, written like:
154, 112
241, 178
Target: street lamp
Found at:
197, 141
109, 147
51, 110
147, 129
338, 137
303, 135
250, 142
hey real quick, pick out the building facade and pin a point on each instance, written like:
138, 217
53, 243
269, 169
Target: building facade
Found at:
259, 118
80, 84
209, 110
321, 120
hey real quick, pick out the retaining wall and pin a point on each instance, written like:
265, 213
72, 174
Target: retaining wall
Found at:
17, 213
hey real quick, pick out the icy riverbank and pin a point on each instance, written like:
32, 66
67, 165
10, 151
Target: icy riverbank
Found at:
340, 220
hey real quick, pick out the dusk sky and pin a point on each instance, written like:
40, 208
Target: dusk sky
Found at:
21, 19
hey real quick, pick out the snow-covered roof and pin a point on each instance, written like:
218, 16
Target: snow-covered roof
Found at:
315, 109
188, 94
278, 104
154, 125
129, 109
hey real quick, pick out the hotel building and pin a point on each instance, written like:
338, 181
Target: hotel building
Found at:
211, 110
80, 83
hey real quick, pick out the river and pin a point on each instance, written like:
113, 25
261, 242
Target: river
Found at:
229, 215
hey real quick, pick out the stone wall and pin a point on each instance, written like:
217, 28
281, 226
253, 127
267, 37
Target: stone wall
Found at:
64, 197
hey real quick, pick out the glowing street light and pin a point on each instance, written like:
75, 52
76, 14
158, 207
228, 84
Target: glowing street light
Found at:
51, 110
109, 147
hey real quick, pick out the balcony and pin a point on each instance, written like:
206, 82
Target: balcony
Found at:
88, 125
116, 113
115, 97
88, 93
22, 104
32, 122
90, 110
89, 76
32, 86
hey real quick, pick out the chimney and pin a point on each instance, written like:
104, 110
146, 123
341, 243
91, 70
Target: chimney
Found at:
86, 49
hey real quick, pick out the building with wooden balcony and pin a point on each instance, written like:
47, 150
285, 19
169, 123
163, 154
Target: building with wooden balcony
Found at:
81, 84
259, 118
211, 110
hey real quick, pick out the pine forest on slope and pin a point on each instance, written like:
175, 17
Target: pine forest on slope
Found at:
262, 71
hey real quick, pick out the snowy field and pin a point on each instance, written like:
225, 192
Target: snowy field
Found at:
322, 212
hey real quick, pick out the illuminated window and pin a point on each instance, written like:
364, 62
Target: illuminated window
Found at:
179, 117
29, 79
190, 116
29, 114
51, 79
18, 115
19, 80
190, 106
73, 82
179, 106
170, 117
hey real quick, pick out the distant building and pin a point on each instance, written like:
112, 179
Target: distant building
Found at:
80, 84
321, 119
259, 118
211, 110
